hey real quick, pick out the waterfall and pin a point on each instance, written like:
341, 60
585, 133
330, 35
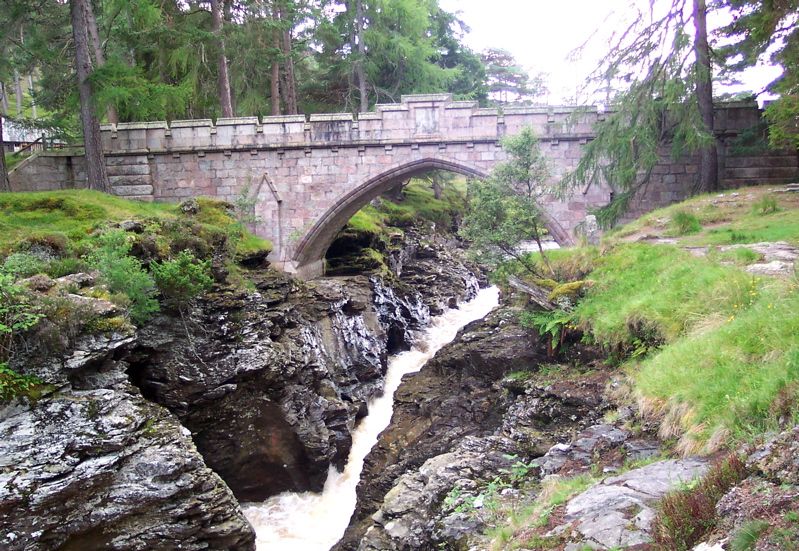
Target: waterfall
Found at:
310, 521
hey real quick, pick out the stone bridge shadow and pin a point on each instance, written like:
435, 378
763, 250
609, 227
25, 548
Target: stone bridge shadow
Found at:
308, 259
311, 249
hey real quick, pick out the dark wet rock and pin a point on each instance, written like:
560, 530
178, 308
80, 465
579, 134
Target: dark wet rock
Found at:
462, 409
583, 451
270, 383
105, 469
133, 226
91, 464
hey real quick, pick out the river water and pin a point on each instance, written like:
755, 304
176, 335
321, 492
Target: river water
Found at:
315, 522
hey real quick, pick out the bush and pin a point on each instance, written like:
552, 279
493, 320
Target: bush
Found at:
124, 274
17, 314
65, 266
685, 516
23, 265
182, 278
13, 384
684, 223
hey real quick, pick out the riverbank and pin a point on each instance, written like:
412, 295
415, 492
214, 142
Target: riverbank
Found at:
695, 352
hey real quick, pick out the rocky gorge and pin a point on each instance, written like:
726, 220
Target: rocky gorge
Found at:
149, 437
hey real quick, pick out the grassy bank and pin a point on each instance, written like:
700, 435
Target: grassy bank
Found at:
135, 257
711, 351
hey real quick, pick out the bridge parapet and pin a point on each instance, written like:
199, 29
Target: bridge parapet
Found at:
416, 119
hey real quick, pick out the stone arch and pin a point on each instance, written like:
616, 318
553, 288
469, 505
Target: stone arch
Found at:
311, 249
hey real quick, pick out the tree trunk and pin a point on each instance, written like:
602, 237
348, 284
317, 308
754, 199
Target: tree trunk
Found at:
275, 82
289, 89
3, 99
18, 92
99, 55
708, 159
291, 81
33, 103
4, 184
95, 162
223, 78
360, 73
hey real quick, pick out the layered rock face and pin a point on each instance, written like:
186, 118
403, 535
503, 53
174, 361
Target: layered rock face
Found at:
459, 423
94, 465
271, 382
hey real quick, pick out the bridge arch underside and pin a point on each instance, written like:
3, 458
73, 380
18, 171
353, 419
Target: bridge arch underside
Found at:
310, 252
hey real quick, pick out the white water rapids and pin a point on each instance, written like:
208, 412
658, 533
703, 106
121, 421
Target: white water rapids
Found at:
310, 521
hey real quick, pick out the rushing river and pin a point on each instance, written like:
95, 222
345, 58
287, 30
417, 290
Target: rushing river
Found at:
310, 521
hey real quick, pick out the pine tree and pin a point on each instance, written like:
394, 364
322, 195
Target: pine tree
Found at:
95, 162
669, 100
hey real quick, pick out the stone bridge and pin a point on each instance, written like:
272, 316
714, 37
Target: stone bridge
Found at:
309, 176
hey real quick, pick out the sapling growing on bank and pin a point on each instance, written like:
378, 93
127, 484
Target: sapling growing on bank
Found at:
504, 208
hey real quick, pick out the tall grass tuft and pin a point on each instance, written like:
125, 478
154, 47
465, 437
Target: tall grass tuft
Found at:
686, 515
684, 222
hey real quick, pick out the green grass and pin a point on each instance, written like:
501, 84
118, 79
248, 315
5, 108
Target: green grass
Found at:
654, 291
751, 216
730, 379
71, 213
712, 351
74, 214
747, 535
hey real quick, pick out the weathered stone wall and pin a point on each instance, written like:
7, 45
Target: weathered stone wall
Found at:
310, 176
743, 161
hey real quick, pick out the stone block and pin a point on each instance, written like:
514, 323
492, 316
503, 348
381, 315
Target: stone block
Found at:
132, 190
128, 170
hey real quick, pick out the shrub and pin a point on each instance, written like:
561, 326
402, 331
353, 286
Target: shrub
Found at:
23, 265
65, 266
182, 278
684, 223
13, 384
686, 515
17, 314
124, 274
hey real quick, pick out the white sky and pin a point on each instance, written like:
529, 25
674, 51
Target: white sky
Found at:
542, 33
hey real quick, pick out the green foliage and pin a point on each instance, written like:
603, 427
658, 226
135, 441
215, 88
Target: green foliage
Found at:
552, 324
503, 210
60, 267
684, 223
686, 515
761, 32
747, 535
23, 265
123, 274
181, 279
17, 314
13, 384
